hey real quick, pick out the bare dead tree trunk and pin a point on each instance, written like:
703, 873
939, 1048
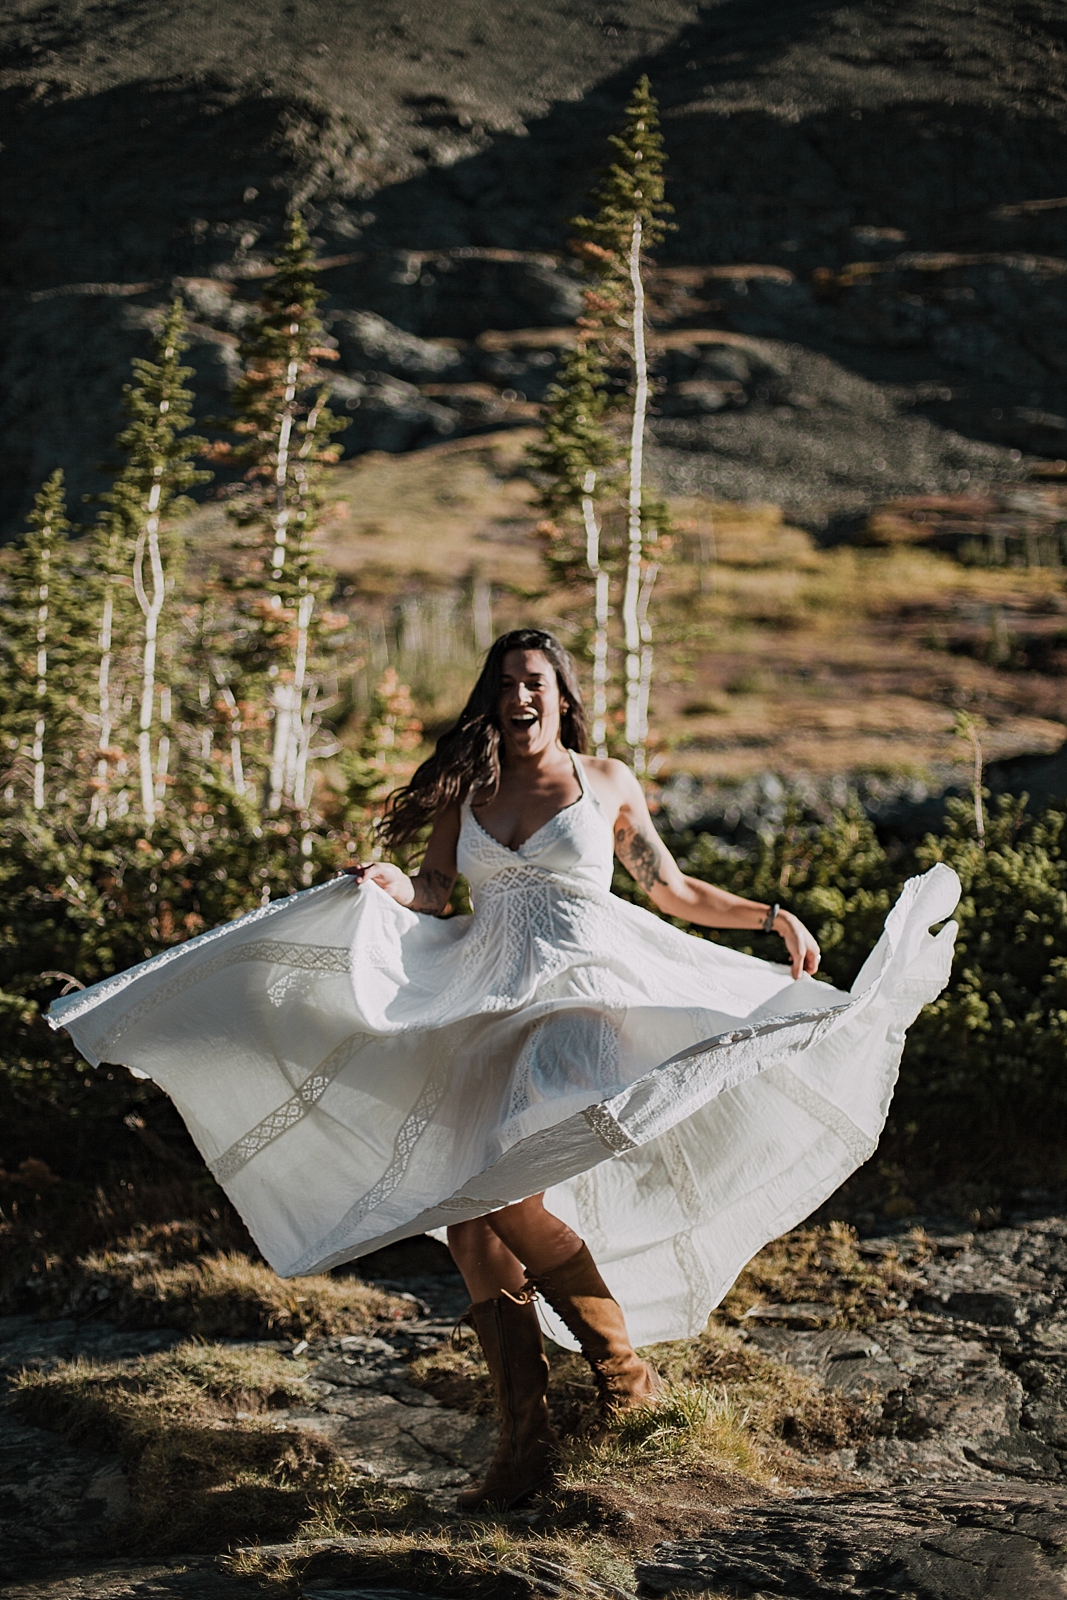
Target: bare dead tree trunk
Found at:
283, 716
600, 618
151, 607
237, 767
648, 579
297, 738
98, 807
632, 591
482, 612
280, 520
40, 721
163, 755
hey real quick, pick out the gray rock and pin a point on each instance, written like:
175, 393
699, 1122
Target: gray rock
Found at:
933, 1545
973, 1383
408, 1441
55, 1501
364, 1594
28, 1342
854, 1363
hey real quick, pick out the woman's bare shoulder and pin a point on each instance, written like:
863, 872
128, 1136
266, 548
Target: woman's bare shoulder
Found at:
608, 777
608, 768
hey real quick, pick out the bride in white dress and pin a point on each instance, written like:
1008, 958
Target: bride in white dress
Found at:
559, 1070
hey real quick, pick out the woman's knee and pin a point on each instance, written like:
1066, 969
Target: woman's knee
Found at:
520, 1212
470, 1238
533, 1234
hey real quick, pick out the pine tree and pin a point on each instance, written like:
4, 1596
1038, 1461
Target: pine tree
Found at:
573, 443
132, 538
284, 432
627, 223
630, 194
42, 656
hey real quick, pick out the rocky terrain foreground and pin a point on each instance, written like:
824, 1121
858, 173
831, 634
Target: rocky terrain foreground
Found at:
960, 1491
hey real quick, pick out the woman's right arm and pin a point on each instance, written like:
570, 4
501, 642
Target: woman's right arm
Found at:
430, 888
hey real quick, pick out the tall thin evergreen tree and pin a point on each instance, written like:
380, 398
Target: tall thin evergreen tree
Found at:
42, 652
150, 487
626, 224
284, 431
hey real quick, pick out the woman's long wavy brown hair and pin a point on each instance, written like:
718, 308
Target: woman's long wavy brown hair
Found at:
467, 757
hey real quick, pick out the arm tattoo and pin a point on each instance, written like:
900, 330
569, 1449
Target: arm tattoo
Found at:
641, 856
432, 890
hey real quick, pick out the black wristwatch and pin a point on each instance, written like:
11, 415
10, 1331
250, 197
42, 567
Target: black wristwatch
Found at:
769, 919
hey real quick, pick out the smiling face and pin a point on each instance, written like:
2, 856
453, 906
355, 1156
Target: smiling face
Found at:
530, 704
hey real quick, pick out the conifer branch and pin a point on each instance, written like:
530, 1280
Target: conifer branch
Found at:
42, 653
579, 448
149, 489
283, 429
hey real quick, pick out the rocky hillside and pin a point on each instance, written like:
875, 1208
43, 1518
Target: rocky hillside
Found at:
864, 297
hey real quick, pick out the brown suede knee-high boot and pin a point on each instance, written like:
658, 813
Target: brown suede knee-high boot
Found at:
583, 1301
510, 1337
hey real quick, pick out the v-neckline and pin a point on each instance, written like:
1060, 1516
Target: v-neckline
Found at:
518, 849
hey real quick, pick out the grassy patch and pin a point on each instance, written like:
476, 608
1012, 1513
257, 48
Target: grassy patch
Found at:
788, 1416
171, 1254
691, 1428
497, 1557
733, 1421
206, 1464
213, 1462
228, 1295
826, 1265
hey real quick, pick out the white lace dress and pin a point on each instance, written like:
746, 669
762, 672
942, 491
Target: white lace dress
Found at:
355, 1073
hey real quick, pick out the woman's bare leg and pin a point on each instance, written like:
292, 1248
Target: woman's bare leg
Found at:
487, 1265
495, 1252
533, 1235
566, 1275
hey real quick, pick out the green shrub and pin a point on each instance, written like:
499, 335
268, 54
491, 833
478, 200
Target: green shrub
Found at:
993, 1046
988, 1059
835, 876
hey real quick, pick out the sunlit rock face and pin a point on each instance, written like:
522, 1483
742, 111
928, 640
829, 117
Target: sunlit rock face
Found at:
894, 174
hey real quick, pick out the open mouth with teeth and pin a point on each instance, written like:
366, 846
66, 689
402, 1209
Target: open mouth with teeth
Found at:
524, 719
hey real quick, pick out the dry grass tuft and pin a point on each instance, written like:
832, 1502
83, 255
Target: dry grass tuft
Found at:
457, 1376
732, 1425
228, 1295
205, 1460
690, 1429
826, 1265
172, 1254
788, 1416
731, 1417
498, 1557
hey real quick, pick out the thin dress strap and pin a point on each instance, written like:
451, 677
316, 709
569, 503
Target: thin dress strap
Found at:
588, 792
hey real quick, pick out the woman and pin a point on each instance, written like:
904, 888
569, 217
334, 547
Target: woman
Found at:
511, 768
358, 1069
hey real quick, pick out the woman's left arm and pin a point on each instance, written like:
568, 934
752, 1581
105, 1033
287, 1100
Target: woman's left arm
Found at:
647, 860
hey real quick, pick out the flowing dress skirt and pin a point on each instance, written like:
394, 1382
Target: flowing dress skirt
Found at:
355, 1074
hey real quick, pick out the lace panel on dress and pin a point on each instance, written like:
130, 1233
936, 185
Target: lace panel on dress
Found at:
308, 957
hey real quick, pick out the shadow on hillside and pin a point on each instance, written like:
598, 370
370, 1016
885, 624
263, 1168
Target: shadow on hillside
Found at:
144, 183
